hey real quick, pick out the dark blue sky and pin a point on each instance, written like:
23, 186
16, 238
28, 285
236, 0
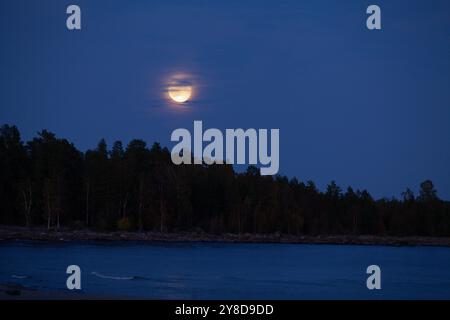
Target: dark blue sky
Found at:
369, 109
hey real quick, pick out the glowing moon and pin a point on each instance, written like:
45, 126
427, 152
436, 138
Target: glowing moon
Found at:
180, 94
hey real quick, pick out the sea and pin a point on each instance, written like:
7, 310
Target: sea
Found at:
198, 270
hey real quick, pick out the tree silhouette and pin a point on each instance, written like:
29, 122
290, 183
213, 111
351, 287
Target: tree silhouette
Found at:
48, 182
427, 191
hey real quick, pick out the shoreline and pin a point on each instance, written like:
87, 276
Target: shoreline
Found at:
11, 291
11, 233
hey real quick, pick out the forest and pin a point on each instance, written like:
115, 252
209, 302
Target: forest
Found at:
48, 182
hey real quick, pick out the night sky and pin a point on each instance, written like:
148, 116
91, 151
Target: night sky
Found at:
370, 109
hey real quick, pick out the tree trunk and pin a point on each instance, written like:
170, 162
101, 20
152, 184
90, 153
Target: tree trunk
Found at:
141, 196
25, 201
161, 208
49, 212
58, 202
239, 222
124, 207
28, 202
88, 187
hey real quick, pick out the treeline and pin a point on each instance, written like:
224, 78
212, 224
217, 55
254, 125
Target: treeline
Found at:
47, 181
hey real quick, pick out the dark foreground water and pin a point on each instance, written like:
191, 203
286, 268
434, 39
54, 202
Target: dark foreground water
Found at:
229, 271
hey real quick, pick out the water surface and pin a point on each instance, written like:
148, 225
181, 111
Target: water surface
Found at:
228, 271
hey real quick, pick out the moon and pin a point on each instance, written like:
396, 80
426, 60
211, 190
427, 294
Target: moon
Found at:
180, 94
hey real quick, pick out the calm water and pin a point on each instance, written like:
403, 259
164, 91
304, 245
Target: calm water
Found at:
229, 271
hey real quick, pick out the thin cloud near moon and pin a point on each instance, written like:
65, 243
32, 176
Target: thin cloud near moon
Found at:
180, 94
180, 88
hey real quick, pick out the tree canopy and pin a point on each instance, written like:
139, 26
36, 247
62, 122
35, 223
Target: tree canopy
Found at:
47, 181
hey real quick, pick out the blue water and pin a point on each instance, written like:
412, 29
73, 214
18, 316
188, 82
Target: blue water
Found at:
229, 271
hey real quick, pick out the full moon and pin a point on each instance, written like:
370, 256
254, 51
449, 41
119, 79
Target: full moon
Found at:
180, 94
